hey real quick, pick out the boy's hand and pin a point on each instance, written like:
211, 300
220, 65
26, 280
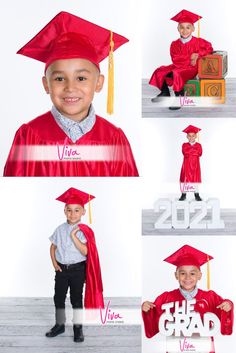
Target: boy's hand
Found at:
194, 58
226, 306
57, 267
147, 306
74, 231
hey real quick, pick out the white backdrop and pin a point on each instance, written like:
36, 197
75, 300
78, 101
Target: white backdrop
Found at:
23, 96
217, 26
162, 157
158, 276
30, 214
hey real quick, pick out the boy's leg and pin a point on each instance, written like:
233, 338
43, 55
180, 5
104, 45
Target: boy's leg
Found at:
165, 92
60, 291
76, 283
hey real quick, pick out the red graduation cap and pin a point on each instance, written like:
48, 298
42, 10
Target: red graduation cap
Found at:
186, 16
67, 36
188, 256
74, 196
191, 129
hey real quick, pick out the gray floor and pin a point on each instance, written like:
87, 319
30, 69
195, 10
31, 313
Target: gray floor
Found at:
227, 215
151, 110
24, 321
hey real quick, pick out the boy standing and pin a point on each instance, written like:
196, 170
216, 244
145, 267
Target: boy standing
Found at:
188, 261
185, 53
191, 170
71, 140
75, 258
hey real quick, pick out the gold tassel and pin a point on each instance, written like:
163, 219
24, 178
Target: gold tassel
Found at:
110, 92
198, 27
90, 211
208, 273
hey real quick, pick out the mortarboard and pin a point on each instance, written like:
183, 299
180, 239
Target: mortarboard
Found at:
67, 36
186, 16
74, 196
189, 256
191, 128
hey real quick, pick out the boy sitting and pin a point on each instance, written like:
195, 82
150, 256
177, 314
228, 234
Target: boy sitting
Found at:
185, 53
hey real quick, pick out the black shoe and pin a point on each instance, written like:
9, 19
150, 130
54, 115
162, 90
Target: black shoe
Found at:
175, 107
197, 196
55, 330
179, 93
78, 333
182, 197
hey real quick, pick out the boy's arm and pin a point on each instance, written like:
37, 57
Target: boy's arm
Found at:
78, 243
224, 309
53, 257
205, 48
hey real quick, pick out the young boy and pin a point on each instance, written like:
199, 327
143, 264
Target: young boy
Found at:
188, 261
185, 53
191, 170
71, 140
75, 258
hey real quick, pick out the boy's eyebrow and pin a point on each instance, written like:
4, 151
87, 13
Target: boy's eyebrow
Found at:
57, 72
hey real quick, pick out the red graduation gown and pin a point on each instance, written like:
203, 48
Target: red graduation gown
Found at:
44, 131
151, 318
181, 67
93, 289
191, 170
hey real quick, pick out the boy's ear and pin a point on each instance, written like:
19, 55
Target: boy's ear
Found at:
45, 84
84, 211
199, 275
100, 82
176, 275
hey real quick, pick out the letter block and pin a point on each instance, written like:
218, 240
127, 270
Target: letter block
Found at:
214, 89
214, 66
192, 88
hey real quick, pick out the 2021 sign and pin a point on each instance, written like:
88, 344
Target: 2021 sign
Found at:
188, 214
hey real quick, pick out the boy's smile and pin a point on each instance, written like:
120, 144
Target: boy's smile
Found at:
74, 213
188, 276
191, 136
71, 84
185, 29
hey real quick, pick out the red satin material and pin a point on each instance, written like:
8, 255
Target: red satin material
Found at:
212, 300
191, 170
181, 67
45, 131
93, 298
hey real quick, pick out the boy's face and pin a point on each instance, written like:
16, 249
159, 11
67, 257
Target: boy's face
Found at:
188, 276
71, 84
74, 213
185, 29
191, 137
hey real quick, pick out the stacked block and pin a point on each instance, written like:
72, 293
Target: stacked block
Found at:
212, 70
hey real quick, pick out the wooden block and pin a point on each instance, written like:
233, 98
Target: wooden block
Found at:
213, 66
192, 88
213, 88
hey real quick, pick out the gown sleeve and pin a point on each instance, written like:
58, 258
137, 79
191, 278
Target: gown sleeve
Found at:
205, 47
16, 164
226, 318
123, 160
151, 318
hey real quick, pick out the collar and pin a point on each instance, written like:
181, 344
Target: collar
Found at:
186, 40
75, 129
189, 295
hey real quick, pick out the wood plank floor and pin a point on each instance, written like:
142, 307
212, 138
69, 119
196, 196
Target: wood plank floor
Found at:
151, 110
149, 218
24, 321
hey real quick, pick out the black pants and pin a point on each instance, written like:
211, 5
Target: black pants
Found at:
72, 277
